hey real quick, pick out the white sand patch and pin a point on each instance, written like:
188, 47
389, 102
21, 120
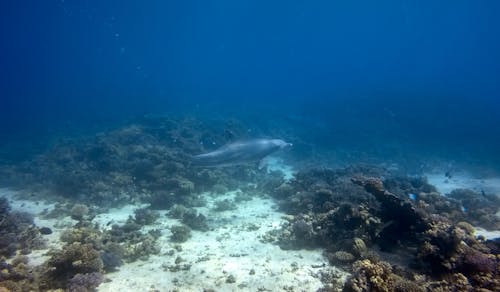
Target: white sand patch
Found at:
277, 164
487, 234
116, 216
229, 257
464, 181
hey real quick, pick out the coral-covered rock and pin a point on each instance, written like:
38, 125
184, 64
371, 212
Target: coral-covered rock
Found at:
79, 211
347, 214
404, 220
224, 205
449, 249
479, 209
342, 256
145, 216
141, 250
379, 276
371, 276
180, 185
85, 282
83, 234
64, 264
180, 233
112, 258
195, 220
17, 231
17, 276
177, 211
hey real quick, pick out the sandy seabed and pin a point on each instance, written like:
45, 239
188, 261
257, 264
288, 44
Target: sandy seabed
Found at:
232, 256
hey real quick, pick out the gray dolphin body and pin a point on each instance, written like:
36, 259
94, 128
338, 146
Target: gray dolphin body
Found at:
240, 152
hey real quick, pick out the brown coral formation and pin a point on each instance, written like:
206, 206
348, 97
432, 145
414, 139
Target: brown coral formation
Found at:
381, 276
357, 217
72, 260
18, 232
87, 255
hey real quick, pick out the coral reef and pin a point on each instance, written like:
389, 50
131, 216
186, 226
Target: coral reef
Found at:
17, 231
79, 211
120, 243
380, 276
177, 211
83, 234
65, 264
329, 211
17, 276
195, 220
127, 242
342, 256
460, 205
147, 161
190, 217
143, 249
479, 209
145, 216
224, 205
361, 219
404, 221
393, 232
85, 282
180, 233
111, 260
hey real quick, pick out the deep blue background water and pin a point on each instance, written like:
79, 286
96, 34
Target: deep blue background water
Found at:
424, 73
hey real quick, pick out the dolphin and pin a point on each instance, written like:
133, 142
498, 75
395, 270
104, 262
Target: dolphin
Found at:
240, 152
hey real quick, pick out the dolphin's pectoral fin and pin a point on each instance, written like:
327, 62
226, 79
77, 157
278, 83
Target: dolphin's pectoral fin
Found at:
262, 163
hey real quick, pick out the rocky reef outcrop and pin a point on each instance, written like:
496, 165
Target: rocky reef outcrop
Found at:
388, 237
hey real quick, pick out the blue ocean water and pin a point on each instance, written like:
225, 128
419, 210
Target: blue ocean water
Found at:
420, 76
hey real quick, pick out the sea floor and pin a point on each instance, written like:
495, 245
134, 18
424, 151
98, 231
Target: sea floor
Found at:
232, 255
466, 180
463, 180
